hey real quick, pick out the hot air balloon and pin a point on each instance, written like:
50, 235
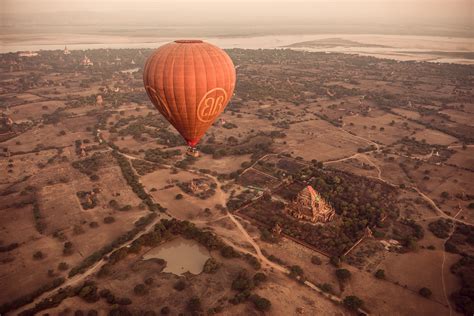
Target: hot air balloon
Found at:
190, 82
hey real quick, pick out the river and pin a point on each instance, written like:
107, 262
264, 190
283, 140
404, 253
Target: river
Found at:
398, 47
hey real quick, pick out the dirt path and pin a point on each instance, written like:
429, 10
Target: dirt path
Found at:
440, 212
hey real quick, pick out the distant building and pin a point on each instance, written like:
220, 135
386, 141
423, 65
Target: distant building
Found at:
27, 54
86, 61
310, 206
66, 51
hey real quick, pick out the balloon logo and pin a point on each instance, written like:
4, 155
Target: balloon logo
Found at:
190, 83
211, 106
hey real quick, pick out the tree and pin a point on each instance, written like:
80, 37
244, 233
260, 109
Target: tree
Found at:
194, 304
259, 278
315, 260
38, 255
180, 285
352, 302
140, 289
211, 266
380, 274
425, 292
343, 275
296, 271
242, 282
63, 266
260, 303
179, 196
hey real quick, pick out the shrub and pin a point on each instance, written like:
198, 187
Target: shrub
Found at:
260, 303
109, 220
140, 289
315, 260
380, 274
425, 292
343, 275
229, 252
38, 255
259, 278
180, 285
352, 302
242, 282
194, 304
63, 266
211, 266
179, 196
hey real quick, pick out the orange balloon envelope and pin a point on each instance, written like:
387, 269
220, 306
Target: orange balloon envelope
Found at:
190, 82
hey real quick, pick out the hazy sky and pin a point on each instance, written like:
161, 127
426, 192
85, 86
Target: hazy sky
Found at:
401, 14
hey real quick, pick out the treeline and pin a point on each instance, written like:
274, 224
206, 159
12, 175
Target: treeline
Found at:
134, 182
99, 254
167, 228
30, 297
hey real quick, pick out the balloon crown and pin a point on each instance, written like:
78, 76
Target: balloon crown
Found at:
188, 41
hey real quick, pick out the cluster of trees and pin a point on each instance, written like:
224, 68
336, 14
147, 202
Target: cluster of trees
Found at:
159, 156
143, 167
28, 298
40, 224
90, 165
359, 202
243, 284
257, 145
99, 254
464, 297
441, 227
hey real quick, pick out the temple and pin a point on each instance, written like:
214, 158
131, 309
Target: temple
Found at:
310, 206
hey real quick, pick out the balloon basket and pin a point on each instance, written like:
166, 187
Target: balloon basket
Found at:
193, 152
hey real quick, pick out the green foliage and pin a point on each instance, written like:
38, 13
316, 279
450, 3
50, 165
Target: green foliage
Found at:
440, 228
242, 282
425, 292
352, 302
194, 304
259, 278
296, 271
211, 266
180, 285
380, 274
229, 252
316, 260
140, 289
260, 303
343, 275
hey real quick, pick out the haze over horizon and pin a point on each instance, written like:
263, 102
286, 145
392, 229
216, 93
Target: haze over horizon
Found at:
212, 17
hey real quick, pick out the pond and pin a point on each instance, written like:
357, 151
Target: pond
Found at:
181, 256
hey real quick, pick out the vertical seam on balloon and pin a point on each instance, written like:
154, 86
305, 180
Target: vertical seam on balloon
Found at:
225, 66
202, 48
153, 65
184, 114
211, 62
195, 94
171, 55
222, 76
